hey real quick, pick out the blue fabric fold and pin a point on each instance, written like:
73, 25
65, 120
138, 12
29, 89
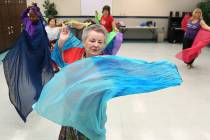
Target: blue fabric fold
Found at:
27, 68
77, 96
72, 42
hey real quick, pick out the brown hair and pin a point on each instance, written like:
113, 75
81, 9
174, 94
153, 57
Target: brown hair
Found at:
51, 18
106, 7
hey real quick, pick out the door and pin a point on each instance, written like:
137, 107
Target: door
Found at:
4, 15
3, 2
3, 41
3, 25
20, 6
10, 21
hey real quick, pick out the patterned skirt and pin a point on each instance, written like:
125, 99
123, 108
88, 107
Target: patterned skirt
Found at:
69, 133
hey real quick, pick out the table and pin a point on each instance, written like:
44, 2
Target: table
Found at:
139, 32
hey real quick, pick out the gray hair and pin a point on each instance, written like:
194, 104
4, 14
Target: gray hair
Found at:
94, 27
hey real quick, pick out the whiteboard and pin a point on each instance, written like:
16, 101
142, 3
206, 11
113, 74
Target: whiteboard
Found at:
88, 7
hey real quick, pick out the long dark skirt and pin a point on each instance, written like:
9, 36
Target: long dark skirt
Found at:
187, 43
69, 133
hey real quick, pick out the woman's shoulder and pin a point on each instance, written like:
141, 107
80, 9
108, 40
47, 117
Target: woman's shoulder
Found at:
52, 29
47, 27
202, 21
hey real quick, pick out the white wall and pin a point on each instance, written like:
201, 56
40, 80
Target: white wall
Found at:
127, 8
133, 8
64, 7
151, 7
88, 7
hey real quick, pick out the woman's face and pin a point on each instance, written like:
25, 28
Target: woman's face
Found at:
105, 12
52, 23
197, 14
94, 43
33, 17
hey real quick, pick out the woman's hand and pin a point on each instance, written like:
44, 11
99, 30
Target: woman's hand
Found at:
64, 35
96, 13
33, 3
116, 29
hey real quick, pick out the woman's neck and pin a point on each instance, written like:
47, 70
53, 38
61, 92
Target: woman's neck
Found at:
195, 20
85, 55
51, 26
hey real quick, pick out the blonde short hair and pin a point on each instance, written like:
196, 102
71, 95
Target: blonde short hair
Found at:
197, 10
